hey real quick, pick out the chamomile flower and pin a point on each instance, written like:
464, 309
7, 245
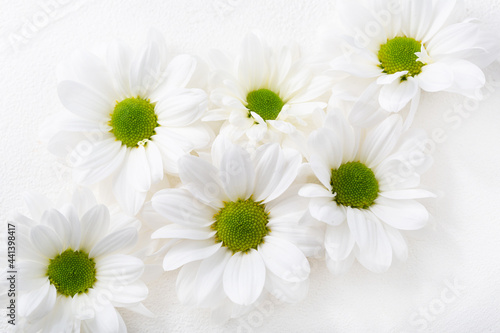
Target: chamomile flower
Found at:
130, 118
366, 191
73, 267
388, 51
266, 95
236, 228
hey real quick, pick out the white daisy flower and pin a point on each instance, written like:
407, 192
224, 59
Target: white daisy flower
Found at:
131, 118
368, 183
73, 271
236, 228
391, 50
269, 95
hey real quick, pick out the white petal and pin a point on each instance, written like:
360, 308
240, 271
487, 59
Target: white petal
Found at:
105, 157
179, 71
131, 293
210, 272
468, 78
375, 251
284, 259
94, 224
326, 210
244, 277
393, 97
188, 251
139, 173
46, 241
129, 199
237, 173
92, 72
119, 60
315, 191
180, 207
408, 194
38, 302
145, 70
180, 231
105, 320
275, 170
119, 269
83, 101
114, 242
37, 204
401, 214
398, 243
186, 283
327, 147
390, 78
380, 141
339, 242
435, 77
201, 179
454, 38
366, 111
155, 162
55, 220
339, 267
83, 199
182, 108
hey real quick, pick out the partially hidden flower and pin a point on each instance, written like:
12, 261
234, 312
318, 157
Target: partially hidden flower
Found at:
388, 51
266, 94
74, 267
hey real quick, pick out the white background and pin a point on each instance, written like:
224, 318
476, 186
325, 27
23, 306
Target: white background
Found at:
461, 246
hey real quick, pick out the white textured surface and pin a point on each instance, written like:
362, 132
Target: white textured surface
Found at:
463, 246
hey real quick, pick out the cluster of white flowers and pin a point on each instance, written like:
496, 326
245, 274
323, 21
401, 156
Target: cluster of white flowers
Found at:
239, 169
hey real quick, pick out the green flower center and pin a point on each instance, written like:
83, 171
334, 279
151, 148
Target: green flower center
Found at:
398, 54
72, 272
265, 103
133, 120
241, 225
355, 185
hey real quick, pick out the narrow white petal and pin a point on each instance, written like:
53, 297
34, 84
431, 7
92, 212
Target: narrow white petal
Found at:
398, 243
179, 72
145, 70
129, 199
202, 180
182, 108
393, 97
155, 162
435, 77
407, 194
188, 251
46, 241
282, 176
139, 172
94, 224
284, 259
119, 60
244, 277
326, 210
105, 321
401, 214
375, 251
237, 173
119, 269
315, 191
131, 293
180, 231
83, 101
210, 273
380, 141
180, 207
114, 242
339, 242
37, 204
